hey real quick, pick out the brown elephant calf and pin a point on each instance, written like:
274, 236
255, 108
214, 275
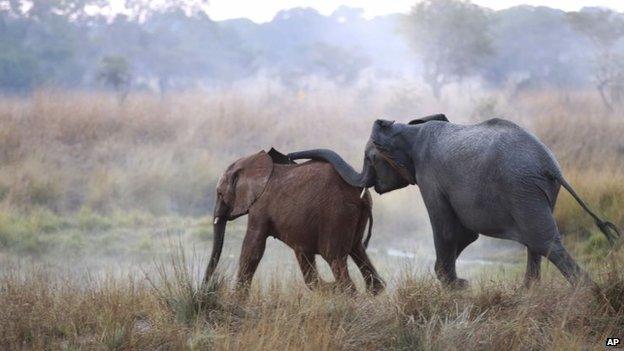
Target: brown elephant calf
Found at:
307, 206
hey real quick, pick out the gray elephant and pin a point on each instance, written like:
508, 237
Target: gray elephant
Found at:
493, 178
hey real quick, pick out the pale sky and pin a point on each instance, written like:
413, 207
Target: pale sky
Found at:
264, 10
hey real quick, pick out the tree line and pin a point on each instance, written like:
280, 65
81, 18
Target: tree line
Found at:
76, 44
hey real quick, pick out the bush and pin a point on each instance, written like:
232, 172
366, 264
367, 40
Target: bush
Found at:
88, 220
21, 235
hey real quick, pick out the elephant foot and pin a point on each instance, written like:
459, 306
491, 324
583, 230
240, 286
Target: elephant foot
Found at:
458, 284
323, 286
528, 283
340, 288
377, 289
318, 284
241, 295
345, 289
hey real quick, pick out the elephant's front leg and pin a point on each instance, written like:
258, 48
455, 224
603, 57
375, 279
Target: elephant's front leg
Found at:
445, 260
251, 252
341, 274
532, 275
307, 263
450, 237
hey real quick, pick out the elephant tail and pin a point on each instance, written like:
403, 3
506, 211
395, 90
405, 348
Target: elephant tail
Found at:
369, 212
607, 228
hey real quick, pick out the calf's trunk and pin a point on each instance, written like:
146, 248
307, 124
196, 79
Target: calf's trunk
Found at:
219, 223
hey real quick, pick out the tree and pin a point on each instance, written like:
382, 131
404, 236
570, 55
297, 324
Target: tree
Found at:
535, 48
143, 9
340, 65
452, 37
115, 72
170, 41
18, 70
604, 28
39, 9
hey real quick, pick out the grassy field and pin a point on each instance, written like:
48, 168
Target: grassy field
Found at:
96, 197
163, 310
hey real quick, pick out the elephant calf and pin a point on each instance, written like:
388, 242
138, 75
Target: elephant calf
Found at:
307, 206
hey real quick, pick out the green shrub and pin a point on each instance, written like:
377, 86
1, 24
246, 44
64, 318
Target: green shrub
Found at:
597, 244
129, 219
4, 190
42, 219
75, 242
146, 243
22, 235
86, 219
203, 233
8, 231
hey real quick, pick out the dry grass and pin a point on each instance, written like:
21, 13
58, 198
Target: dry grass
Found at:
69, 151
166, 311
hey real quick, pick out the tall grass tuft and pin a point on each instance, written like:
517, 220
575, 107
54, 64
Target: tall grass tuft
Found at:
175, 281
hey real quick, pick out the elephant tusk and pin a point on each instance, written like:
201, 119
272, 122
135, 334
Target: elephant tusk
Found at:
362, 194
216, 220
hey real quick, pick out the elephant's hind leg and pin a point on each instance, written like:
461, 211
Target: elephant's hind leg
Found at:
541, 236
374, 283
560, 257
307, 263
341, 274
532, 275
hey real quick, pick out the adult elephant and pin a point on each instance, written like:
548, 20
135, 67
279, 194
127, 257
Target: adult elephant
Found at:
493, 178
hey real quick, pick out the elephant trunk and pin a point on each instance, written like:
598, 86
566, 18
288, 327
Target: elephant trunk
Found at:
220, 219
364, 179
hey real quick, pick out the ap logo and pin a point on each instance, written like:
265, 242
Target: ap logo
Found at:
613, 342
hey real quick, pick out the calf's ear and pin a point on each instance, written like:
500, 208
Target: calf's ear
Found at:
249, 182
280, 158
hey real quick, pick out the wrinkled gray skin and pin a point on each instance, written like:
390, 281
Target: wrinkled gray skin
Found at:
492, 178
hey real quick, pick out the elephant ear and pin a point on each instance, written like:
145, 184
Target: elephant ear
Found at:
246, 182
280, 158
439, 117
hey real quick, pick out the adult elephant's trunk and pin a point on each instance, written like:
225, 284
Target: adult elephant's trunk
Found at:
220, 218
365, 179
